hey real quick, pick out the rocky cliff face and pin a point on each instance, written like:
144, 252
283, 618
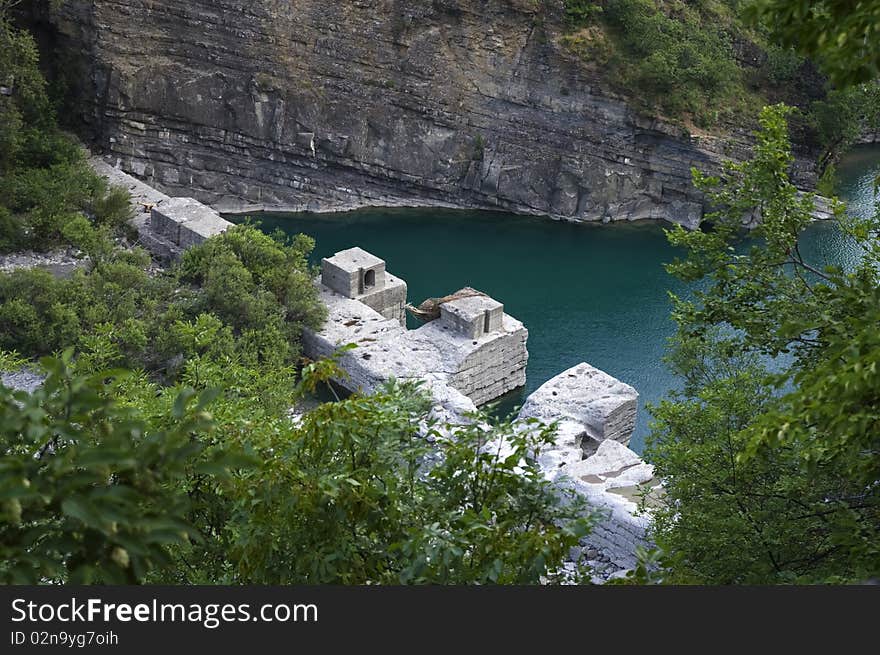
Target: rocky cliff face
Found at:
316, 105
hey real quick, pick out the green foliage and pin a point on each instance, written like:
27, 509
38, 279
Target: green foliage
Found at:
782, 65
492, 516
842, 117
353, 496
676, 58
581, 12
242, 294
770, 465
24, 107
684, 62
828, 181
259, 285
138, 483
45, 180
88, 489
841, 35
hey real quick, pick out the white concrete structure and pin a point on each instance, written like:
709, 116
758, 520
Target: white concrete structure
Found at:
603, 406
185, 222
481, 366
358, 275
595, 414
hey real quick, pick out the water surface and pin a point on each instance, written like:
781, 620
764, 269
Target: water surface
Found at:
593, 293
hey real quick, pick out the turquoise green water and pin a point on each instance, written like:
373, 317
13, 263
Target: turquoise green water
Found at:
594, 293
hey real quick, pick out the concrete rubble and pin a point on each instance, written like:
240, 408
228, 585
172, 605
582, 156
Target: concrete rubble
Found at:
185, 222
21, 380
600, 406
473, 354
595, 414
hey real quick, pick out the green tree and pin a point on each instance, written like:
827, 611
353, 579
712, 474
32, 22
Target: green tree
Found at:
353, 495
843, 36
243, 294
88, 489
769, 454
842, 117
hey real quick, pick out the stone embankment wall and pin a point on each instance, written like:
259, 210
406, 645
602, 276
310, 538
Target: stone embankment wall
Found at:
166, 226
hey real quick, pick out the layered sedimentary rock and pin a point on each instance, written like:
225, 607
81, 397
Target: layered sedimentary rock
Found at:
315, 105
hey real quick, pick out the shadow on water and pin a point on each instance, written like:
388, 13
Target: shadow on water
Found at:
594, 293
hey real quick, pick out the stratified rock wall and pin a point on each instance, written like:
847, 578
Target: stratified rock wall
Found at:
308, 104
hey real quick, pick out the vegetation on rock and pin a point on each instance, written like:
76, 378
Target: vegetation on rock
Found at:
843, 36
714, 62
45, 181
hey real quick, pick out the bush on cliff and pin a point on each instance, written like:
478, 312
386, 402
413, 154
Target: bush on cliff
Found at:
843, 36
677, 58
716, 62
45, 180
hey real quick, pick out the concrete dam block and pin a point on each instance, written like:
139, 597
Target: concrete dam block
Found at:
358, 275
602, 404
473, 316
186, 222
474, 347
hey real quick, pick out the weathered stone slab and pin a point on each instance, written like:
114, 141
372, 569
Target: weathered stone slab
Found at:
595, 414
473, 316
353, 272
613, 465
186, 222
604, 405
485, 367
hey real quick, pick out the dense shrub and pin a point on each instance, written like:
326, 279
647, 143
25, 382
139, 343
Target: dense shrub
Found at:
254, 288
91, 492
682, 61
45, 180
